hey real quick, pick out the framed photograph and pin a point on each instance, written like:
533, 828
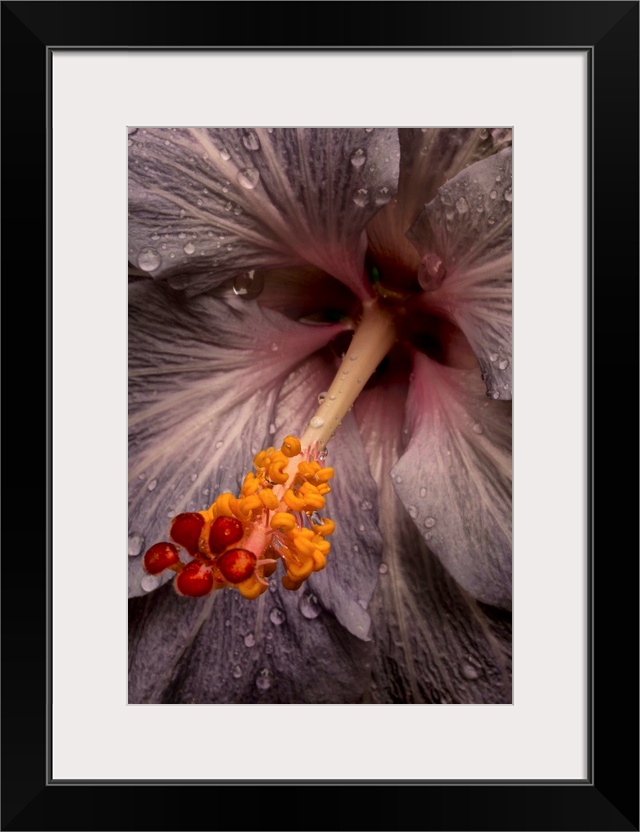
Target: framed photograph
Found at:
320, 582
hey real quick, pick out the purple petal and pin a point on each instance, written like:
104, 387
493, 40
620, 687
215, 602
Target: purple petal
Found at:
455, 477
204, 379
464, 239
433, 642
207, 205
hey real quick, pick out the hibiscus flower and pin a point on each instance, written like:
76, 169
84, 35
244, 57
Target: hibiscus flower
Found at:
333, 298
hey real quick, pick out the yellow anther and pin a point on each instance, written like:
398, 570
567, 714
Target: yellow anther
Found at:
294, 503
308, 469
300, 571
251, 588
269, 499
250, 485
283, 521
223, 505
291, 446
324, 474
248, 504
322, 545
304, 547
260, 459
308, 488
319, 560
289, 583
276, 472
328, 527
324, 489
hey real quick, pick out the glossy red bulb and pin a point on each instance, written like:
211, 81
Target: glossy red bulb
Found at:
237, 565
185, 530
159, 557
195, 580
225, 531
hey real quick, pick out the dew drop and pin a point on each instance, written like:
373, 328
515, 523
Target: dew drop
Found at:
462, 205
251, 141
276, 617
248, 178
430, 522
423, 492
183, 213
182, 236
224, 154
272, 428
383, 195
477, 428
383, 569
493, 194
189, 248
508, 195
249, 640
355, 547
150, 582
249, 285
149, 259
469, 672
316, 422
309, 606
484, 133
503, 364
413, 512
152, 485
322, 396
493, 356
263, 680
358, 158
431, 271
496, 394
219, 444
361, 197
369, 129
237, 672
361, 527
398, 479
365, 505
136, 542
274, 347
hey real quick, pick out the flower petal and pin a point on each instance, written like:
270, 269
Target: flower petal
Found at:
207, 205
204, 377
455, 477
429, 158
281, 648
466, 230
346, 585
433, 642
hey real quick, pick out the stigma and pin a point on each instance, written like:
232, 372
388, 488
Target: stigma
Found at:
238, 542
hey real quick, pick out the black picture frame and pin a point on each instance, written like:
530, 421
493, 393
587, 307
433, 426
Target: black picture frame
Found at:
608, 798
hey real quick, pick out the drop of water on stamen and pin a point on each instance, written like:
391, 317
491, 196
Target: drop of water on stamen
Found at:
309, 606
237, 672
152, 485
383, 569
316, 422
358, 158
477, 428
322, 396
430, 522
189, 248
503, 364
249, 640
276, 617
251, 141
249, 285
149, 259
136, 542
248, 178
263, 680
352, 358
150, 582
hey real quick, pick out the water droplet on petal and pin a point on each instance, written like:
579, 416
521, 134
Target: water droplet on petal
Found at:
358, 158
430, 522
508, 195
136, 542
237, 672
276, 617
365, 505
316, 422
369, 129
150, 582
469, 672
249, 285
272, 428
431, 271
189, 248
503, 364
413, 512
493, 356
263, 680
383, 195
219, 444
477, 428
383, 569
462, 205
152, 485
149, 259
224, 154
493, 194
484, 133
251, 141
309, 606
423, 492
496, 394
398, 478
274, 347
249, 640
361, 197
248, 177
